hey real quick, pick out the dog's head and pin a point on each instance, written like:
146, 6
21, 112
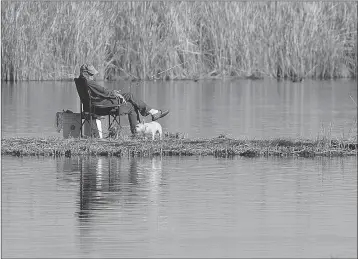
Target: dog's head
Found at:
140, 127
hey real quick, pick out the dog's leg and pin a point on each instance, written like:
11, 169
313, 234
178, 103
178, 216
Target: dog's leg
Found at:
160, 131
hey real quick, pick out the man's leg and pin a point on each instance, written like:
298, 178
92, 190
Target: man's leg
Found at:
129, 109
143, 108
132, 118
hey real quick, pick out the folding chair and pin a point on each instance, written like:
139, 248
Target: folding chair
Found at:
91, 111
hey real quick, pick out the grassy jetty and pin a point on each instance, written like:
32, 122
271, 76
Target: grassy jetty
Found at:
176, 145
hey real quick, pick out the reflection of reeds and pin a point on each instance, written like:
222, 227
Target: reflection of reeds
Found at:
174, 145
49, 40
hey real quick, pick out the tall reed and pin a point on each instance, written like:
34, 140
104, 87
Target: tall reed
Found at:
49, 40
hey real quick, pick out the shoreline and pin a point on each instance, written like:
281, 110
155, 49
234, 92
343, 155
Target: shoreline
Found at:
221, 78
174, 144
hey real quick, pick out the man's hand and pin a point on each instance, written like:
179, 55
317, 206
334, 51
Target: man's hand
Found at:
118, 95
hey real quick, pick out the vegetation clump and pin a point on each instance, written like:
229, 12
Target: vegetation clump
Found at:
176, 145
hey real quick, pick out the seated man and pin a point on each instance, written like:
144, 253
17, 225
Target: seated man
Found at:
130, 104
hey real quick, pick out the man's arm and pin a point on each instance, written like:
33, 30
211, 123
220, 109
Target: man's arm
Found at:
118, 95
100, 90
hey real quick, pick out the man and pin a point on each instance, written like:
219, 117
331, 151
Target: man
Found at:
130, 104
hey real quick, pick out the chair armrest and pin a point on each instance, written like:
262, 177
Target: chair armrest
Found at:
91, 97
106, 106
103, 105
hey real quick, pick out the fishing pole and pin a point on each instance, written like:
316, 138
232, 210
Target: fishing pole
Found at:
141, 80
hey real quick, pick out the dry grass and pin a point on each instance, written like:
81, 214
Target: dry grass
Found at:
174, 144
49, 40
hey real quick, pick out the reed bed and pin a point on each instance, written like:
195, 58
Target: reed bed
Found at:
176, 145
178, 40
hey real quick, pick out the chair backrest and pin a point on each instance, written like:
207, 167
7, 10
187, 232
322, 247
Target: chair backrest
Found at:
82, 90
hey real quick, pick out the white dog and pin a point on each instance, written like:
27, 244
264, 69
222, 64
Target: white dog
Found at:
150, 128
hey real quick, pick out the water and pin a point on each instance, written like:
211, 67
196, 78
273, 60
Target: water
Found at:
88, 207
179, 207
237, 108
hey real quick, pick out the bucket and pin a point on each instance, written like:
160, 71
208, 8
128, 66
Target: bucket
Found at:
71, 123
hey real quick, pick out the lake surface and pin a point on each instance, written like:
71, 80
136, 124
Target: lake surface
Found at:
179, 207
90, 207
238, 108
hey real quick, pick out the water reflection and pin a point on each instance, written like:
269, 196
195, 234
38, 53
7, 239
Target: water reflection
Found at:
127, 192
104, 181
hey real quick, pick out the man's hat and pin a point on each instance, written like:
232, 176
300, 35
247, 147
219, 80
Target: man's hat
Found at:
89, 69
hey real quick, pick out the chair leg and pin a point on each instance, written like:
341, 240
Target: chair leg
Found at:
119, 124
84, 119
81, 136
112, 120
109, 122
91, 126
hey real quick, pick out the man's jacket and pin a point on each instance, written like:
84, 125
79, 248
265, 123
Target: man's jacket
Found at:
100, 94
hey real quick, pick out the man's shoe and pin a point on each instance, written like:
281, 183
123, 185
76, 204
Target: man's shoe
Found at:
159, 115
